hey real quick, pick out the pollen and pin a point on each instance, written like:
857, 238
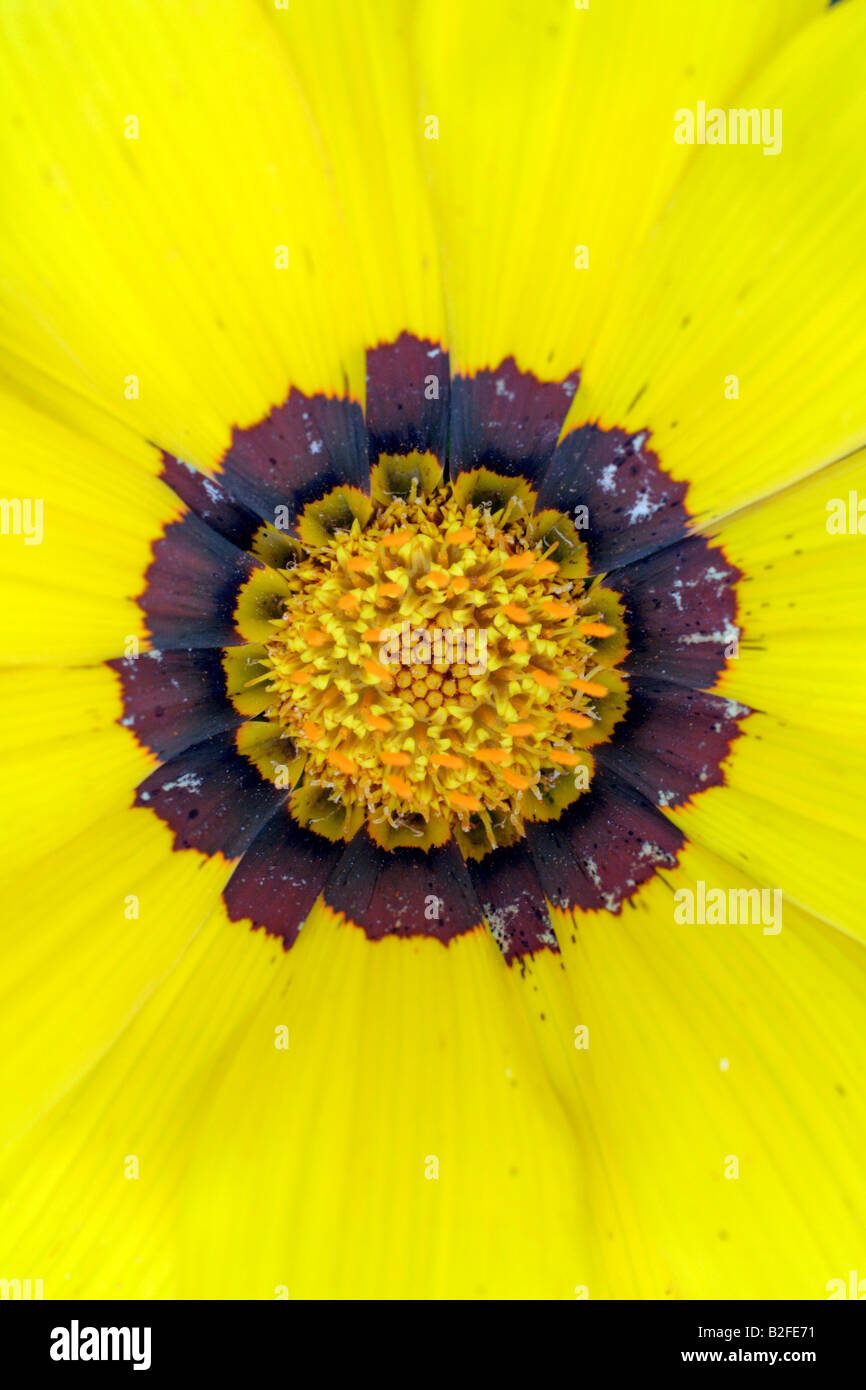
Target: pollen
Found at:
435, 671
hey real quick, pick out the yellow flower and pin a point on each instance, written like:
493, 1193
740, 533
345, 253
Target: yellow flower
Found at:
533, 969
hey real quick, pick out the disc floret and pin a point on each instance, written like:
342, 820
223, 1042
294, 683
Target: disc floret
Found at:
438, 669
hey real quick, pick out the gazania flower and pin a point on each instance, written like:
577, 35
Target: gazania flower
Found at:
433, 744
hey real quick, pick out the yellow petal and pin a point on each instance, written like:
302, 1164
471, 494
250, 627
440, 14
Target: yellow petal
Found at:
519, 183
399, 1135
70, 586
64, 761
791, 810
802, 609
95, 928
391, 1149
190, 235
737, 335
93, 1191
722, 1089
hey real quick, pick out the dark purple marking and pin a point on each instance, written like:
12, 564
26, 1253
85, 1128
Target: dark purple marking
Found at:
174, 699
512, 901
400, 418
633, 507
679, 596
403, 892
681, 610
306, 447
603, 847
280, 876
507, 420
211, 797
204, 496
192, 587
672, 741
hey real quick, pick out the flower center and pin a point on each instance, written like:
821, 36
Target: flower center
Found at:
439, 669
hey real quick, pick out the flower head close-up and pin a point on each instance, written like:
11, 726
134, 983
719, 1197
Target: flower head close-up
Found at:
433, 649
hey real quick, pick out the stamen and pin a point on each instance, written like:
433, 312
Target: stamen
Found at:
396, 759
523, 560
589, 687
562, 755
574, 719
551, 609
515, 612
479, 720
516, 780
545, 678
341, 762
447, 760
399, 786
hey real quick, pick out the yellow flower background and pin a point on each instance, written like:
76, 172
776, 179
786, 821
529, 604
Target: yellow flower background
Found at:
560, 1168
